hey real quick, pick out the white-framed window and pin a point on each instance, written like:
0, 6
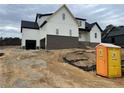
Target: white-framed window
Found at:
63, 16
95, 35
70, 32
57, 31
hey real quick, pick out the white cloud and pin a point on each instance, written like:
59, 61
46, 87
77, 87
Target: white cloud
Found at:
9, 28
98, 11
113, 21
10, 31
116, 16
90, 6
107, 14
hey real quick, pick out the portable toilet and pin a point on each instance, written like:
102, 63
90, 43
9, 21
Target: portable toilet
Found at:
108, 60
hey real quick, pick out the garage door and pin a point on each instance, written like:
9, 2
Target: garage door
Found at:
30, 44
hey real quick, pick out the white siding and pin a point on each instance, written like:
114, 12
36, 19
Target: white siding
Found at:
94, 30
30, 34
64, 27
82, 24
56, 22
41, 20
42, 33
85, 36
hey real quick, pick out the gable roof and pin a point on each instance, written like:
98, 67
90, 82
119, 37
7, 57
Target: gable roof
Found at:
52, 14
29, 24
98, 26
116, 31
89, 26
41, 15
107, 30
59, 10
49, 14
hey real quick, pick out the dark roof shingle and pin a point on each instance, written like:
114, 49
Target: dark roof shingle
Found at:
116, 31
40, 15
29, 24
89, 26
80, 18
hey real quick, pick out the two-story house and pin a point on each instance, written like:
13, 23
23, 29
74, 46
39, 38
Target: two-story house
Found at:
58, 30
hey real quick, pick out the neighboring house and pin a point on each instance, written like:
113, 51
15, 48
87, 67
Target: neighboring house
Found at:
114, 35
58, 30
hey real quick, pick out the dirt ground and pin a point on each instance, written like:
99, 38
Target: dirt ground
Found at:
40, 68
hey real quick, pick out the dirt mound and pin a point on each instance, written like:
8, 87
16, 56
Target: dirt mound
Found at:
84, 59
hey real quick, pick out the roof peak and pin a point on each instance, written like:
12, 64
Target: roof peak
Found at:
90, 25
48, 14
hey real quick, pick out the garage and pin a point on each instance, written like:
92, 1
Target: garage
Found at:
30, 44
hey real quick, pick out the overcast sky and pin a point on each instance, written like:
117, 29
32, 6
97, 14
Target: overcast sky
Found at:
11, 15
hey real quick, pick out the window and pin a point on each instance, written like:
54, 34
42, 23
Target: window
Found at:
95, 35
63, 16
80, 23
70, 32
57, 31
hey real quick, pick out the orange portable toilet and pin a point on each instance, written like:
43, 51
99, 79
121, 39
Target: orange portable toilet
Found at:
108, 60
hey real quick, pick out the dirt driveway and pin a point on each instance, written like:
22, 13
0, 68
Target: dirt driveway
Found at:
40, 68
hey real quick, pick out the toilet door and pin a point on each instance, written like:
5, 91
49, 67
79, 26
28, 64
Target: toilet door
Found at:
102, 61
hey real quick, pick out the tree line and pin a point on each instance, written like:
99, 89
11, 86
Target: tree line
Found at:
10, 41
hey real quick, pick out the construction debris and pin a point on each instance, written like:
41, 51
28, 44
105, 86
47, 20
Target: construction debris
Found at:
81, 59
